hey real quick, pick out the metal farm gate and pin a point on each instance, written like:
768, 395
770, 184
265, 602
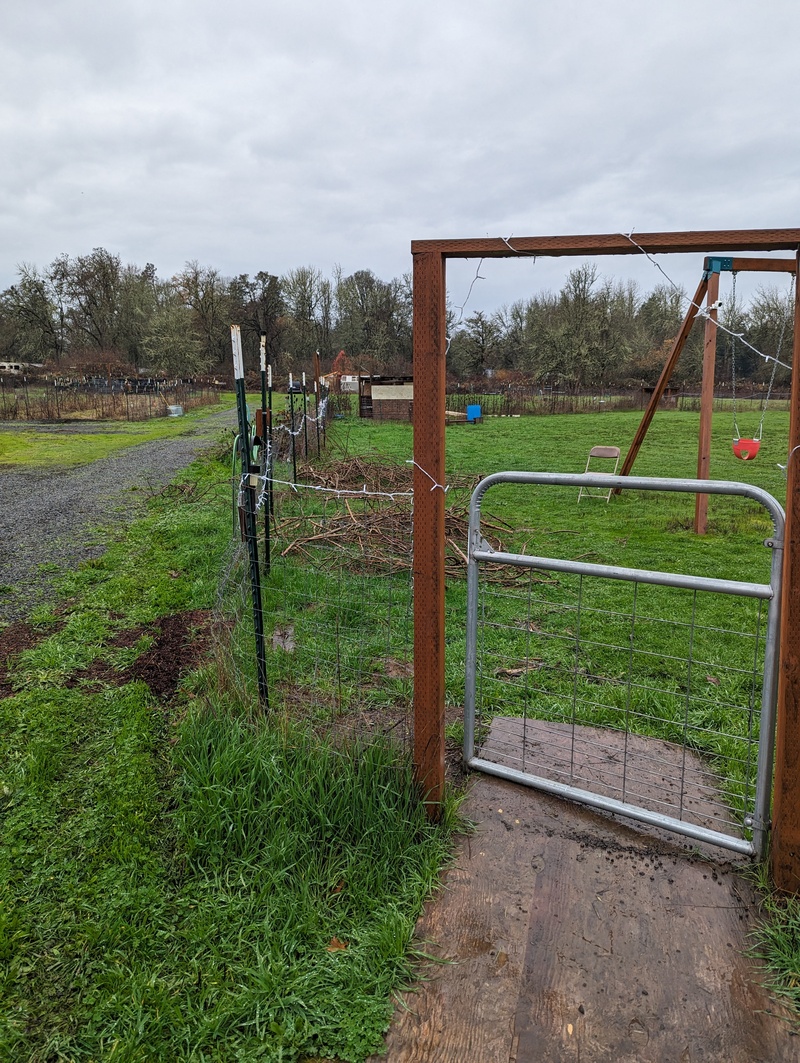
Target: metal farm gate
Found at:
648, 694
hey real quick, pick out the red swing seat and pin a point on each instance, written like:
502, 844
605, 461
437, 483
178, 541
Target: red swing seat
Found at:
746, 449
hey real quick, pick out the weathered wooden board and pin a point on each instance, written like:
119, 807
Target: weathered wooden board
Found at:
660, 776
571, 936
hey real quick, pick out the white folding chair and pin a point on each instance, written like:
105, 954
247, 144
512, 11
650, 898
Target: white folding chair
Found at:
605, 454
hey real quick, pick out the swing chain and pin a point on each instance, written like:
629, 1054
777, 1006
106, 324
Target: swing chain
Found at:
732, 334
775, 362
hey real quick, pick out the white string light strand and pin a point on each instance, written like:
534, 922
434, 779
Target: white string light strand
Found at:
701, 310
336, 492
478, 277
459, 319
522, 254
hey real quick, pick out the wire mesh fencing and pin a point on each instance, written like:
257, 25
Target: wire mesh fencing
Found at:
338, 590
610, 689
118, 399
622, 687
337, 596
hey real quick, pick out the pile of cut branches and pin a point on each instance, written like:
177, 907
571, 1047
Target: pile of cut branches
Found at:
372, 530
372, 477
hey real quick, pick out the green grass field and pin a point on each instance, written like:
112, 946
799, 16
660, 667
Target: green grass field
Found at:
635, 529
32, 447
183, 880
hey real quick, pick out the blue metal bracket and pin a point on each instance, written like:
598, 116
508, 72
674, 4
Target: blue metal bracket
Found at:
715, 264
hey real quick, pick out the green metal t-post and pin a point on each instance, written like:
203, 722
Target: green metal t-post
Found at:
251, 529
316, 395
291, 421
305, 416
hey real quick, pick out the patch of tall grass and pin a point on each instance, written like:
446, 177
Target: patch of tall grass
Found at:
193, 881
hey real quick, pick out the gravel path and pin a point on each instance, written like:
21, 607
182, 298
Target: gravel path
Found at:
48, 516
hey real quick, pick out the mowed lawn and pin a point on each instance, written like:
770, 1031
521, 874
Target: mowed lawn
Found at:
634, 526
635, 529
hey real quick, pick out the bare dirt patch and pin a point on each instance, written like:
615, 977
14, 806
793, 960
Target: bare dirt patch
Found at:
181, 641
15, 639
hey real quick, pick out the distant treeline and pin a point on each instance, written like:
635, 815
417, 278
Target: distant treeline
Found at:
93, 310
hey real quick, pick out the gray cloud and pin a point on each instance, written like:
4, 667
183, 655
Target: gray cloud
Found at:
266, 135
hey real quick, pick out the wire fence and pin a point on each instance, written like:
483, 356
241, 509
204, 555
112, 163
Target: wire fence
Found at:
38, 400
336, 578
340, 596
570, 667
337, 598
528, 401
587, 668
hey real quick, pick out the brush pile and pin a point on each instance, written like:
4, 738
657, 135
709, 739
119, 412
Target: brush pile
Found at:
369, 525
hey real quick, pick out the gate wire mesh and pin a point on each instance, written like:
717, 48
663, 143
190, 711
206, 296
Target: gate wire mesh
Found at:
604, 686
638, 691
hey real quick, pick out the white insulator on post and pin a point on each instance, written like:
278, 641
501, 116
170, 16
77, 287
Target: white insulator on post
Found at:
238, 360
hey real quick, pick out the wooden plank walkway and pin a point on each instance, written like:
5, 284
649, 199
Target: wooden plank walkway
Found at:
567, 935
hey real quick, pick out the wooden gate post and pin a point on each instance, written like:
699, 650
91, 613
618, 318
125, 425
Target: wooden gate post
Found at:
429, 538
707, 400
785, 854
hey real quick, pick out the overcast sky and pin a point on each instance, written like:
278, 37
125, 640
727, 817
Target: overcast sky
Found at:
255, 134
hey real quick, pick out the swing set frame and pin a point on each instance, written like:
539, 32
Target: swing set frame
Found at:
429, 343
708, 289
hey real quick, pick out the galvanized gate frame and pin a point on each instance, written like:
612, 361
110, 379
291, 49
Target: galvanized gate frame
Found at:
480, 551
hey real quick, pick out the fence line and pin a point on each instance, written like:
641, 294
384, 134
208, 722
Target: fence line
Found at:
524, 401
21, 399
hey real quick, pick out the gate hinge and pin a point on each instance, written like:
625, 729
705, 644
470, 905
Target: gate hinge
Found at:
774, 544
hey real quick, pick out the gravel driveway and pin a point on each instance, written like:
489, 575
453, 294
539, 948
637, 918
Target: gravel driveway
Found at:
47, 515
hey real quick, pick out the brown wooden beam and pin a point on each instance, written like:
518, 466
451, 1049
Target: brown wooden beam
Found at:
762, 265
706, 402
666, 373
429, 307
785, 854
615, 244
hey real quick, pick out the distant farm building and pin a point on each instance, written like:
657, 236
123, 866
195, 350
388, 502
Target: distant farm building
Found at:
344, 382
386, 398
15, 368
